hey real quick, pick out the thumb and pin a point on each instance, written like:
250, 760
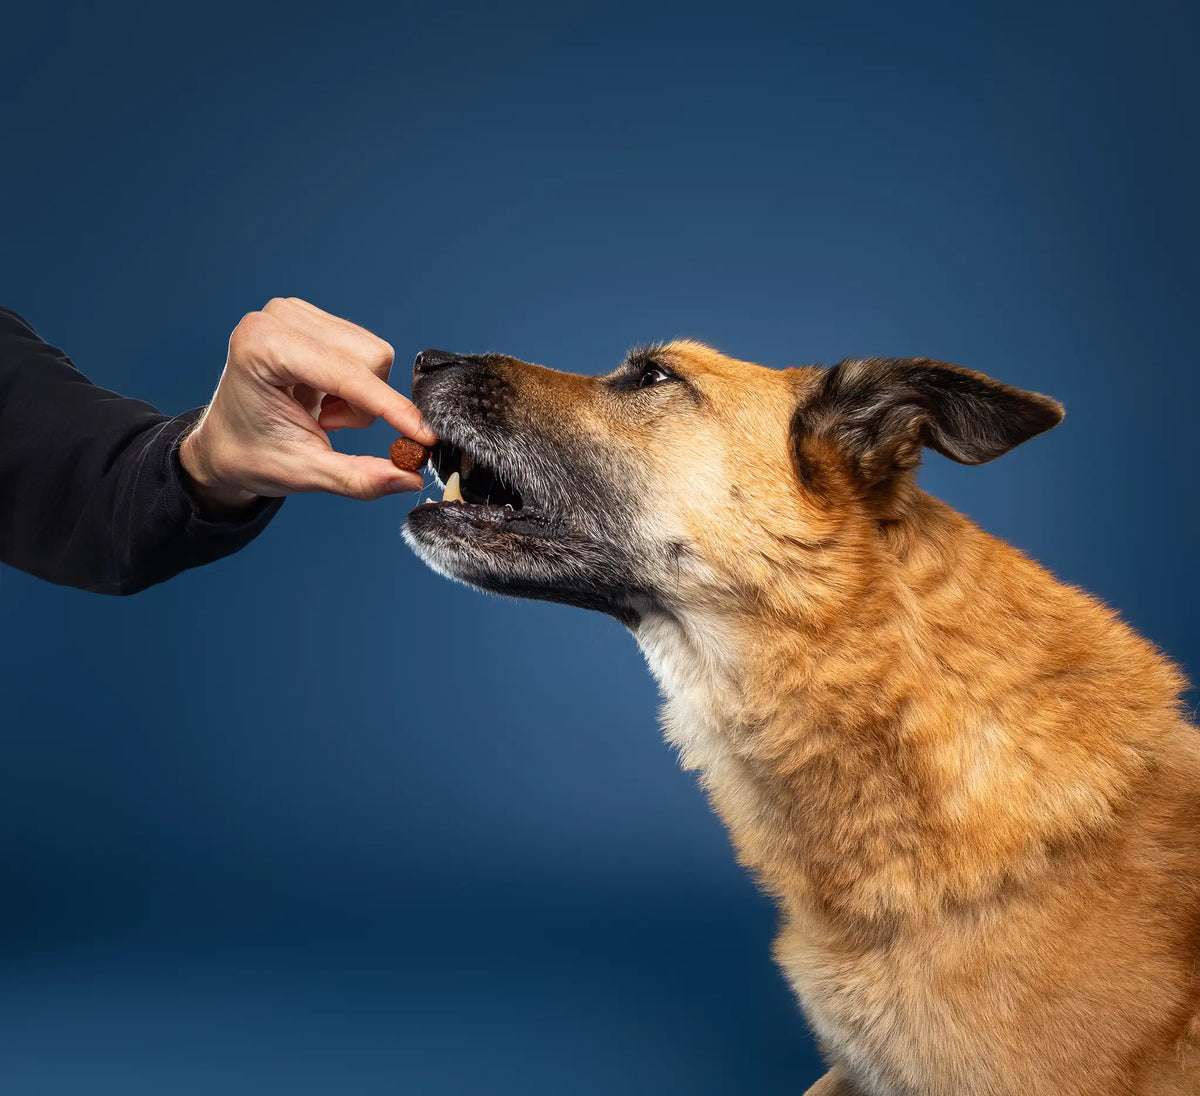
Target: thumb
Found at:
359, 477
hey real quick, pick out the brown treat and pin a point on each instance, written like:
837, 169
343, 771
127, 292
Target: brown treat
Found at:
408, 454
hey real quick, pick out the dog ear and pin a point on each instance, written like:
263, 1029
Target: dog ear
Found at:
879, 412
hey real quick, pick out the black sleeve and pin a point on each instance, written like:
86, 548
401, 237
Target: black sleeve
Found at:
91, 490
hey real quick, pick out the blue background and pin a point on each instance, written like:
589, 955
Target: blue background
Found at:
252, 840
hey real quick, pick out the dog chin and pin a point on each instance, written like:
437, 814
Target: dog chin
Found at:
450, 557
567, 571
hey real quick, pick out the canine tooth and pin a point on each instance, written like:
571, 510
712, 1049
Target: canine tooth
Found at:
508, 506
465, 465
453, 490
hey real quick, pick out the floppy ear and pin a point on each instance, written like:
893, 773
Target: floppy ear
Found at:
879, 412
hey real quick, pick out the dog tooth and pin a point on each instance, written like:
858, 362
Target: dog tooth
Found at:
508, 506
453, 491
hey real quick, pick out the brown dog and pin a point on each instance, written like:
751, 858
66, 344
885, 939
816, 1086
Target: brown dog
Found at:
970, 787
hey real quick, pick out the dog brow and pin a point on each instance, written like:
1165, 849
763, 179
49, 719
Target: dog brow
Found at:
648, 354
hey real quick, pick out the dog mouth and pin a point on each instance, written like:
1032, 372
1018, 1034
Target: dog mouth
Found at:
525, 503
466, 480
476, 492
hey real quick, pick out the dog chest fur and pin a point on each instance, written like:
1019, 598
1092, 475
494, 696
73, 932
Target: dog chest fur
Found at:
935, 838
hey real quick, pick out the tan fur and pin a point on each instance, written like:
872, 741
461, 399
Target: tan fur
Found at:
968, 785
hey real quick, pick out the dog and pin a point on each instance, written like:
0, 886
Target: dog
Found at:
970, 788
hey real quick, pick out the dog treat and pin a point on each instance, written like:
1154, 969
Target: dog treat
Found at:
408, 455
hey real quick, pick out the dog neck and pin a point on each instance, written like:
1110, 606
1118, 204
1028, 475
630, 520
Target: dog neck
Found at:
912, 748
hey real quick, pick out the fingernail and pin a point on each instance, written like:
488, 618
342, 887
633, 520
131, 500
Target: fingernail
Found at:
394, 487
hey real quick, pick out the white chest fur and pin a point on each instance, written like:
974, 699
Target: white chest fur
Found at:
695, 663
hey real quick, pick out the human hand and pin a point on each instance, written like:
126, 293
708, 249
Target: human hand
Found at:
293, 373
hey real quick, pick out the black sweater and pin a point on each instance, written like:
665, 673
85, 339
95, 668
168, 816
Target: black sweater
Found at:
91, 490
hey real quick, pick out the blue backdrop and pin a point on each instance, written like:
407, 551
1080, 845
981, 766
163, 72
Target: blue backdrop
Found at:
251, 841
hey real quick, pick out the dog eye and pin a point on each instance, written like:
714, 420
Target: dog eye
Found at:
654, 374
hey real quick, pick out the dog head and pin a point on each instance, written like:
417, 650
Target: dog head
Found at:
685, 477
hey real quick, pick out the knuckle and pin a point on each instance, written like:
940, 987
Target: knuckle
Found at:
375, 353
248, 330
383, 363
275, 304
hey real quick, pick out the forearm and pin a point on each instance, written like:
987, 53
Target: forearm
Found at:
92, 494
161, 525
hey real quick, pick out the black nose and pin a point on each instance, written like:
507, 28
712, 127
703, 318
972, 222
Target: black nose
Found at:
428, 361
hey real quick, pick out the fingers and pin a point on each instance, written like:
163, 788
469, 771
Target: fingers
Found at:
307, 398
295, 372
339, 335
300, 345
377, 398
356, 477
337, 414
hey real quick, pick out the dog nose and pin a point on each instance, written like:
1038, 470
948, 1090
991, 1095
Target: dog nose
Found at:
429, 361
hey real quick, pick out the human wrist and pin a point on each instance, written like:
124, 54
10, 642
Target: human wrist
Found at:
213, 493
